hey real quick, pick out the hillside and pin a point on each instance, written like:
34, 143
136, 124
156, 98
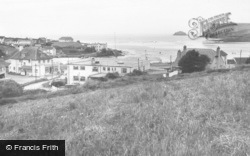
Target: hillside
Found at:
209, 115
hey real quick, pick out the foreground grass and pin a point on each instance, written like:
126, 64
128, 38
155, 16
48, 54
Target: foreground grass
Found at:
197, 116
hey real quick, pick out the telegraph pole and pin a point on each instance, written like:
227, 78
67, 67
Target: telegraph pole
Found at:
171, 67
240, 56
138, 64
35, 71
52, 69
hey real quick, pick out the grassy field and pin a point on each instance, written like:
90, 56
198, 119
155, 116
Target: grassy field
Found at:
204, 116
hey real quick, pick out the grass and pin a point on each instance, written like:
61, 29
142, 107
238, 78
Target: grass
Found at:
208, 116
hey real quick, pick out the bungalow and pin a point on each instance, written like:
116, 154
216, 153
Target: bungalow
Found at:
2, 39
79, 72
3, 68
51, 51
10, 41
24, 42
31, 61
231, 63
66, 39
218, 58
98, 46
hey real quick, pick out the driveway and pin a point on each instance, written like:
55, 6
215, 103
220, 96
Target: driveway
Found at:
20, 79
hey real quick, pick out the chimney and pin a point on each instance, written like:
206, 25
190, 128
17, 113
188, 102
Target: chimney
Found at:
93, 60
218, 57
179, 54
184, 48
218, 51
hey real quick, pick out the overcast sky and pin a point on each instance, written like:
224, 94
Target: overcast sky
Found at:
48, 18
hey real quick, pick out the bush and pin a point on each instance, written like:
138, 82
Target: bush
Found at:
10, 88
193, 61
112, 75
92, 84
136, 73
35, 92
7, 101
58, 83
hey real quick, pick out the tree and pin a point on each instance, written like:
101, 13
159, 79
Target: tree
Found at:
248, 61
193, 61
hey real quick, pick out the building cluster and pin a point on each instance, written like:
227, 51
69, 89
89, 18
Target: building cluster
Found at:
95, 68
218, 58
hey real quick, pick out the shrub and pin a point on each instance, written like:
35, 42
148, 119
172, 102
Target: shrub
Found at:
193, 61
92, 84
112, 75
58, 83
35, 91
10, 88
136, 73
7, 101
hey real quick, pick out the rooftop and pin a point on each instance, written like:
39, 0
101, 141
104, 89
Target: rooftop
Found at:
131, 62
30, 53
3, 63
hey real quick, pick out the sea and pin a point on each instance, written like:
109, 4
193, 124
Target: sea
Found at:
163, 48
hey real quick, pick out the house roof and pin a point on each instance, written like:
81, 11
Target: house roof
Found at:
30, 53
209, 52
130, 62
241, 60
47, 48
3, 63
66, 38
66, 44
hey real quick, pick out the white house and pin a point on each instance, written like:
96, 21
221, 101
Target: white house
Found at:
23, 42
3, 68
2, 39
231, 63
79, 72
32, 62
66, 39
98, 46
218, 58
51, 51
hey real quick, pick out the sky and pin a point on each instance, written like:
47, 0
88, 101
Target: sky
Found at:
54, 18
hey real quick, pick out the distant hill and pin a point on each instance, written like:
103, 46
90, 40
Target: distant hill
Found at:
180, 33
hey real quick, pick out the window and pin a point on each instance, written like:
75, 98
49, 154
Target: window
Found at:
29, 61
104, 68
43, 61
95, 69
108, 68
82, 78
76, 78
39, 61
124, 70
14, 68
82, 67
76, 67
